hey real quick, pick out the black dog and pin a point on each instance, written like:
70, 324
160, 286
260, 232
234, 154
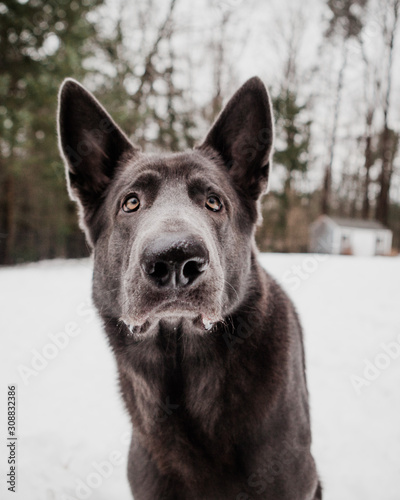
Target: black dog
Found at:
209, 348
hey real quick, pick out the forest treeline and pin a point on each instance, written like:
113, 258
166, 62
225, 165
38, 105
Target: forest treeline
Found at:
336, 107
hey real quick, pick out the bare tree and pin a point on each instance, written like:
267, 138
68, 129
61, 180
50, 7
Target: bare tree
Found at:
345, 24
388, 139
371, 86
327, 182
219, 50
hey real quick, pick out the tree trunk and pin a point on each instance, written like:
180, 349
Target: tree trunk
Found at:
327, 183
367, 166
388, 148
326, 190
9, 219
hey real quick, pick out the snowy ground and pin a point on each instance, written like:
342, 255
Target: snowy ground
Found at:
72, 429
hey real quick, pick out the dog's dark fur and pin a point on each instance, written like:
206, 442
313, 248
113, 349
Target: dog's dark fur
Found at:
210, 355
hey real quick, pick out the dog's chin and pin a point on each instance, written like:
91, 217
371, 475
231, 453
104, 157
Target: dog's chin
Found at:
171, 318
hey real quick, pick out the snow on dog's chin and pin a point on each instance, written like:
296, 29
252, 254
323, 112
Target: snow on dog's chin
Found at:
142, 318
202, 322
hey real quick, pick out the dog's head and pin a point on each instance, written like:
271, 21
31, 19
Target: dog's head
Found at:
173, 233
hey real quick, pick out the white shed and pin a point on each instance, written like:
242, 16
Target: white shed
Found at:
337, 235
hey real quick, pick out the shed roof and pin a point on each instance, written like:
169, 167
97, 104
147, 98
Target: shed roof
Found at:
358, 223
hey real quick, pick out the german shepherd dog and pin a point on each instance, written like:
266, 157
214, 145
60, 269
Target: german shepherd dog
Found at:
208, 346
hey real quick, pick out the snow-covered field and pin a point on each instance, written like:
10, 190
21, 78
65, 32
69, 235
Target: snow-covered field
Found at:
73, 432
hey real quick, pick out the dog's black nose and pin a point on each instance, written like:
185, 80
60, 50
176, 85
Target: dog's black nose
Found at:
174, 260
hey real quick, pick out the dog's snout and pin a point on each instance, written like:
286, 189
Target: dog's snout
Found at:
174, 260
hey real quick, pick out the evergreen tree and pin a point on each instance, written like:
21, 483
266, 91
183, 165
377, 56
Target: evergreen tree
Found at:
291, 153
41, 42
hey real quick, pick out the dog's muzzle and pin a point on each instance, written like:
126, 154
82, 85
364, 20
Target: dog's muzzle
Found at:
173, 278
174, 260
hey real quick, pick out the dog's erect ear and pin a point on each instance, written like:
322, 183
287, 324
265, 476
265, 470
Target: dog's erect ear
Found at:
243, 134
91, 143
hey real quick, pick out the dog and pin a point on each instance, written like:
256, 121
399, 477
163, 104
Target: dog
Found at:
208, 347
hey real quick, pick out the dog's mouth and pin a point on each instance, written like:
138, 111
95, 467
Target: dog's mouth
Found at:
173, 312
200, 321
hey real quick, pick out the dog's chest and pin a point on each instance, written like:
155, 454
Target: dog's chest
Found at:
179, 399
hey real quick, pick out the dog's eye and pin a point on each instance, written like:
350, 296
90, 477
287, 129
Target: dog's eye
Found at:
131, 204
213, 203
